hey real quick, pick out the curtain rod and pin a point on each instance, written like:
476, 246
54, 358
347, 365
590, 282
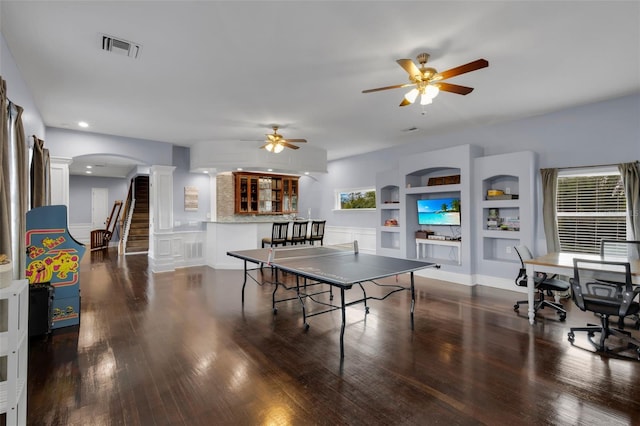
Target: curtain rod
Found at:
594, 165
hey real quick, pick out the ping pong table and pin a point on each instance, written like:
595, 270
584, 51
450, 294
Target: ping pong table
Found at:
340, 266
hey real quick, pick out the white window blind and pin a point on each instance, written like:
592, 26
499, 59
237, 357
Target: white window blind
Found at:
590, 208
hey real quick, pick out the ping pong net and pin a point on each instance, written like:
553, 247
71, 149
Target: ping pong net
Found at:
302, 252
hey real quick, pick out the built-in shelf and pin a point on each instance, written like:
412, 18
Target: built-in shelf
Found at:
433, 189
14, 319
422, 249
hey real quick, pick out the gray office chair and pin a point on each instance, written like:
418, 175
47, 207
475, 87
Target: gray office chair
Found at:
544, 285
624, 249
605, 288
620, 248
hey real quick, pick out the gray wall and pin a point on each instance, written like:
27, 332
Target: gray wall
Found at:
607, 132
182, 178
73, 143
80, 195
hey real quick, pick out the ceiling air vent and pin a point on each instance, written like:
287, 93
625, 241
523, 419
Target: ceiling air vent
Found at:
119, 46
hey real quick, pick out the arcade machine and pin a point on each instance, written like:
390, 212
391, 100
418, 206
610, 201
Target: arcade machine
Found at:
53, 270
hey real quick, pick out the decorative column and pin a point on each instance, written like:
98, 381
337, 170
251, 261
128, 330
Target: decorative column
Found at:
161, 256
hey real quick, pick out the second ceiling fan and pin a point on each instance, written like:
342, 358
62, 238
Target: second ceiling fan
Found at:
428, 81
276, 143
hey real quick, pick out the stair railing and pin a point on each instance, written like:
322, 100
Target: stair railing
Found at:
125, 219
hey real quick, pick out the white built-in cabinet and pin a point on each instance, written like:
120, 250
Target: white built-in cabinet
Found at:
473, 254
388, 209
14, 318
513, 174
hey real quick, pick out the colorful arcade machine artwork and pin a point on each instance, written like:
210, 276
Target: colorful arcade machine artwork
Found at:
53, 256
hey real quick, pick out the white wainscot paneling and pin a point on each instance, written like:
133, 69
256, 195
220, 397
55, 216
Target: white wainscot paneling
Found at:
81, 232
189, 248
366, 237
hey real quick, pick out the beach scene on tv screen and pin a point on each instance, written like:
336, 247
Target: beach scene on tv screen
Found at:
441, 211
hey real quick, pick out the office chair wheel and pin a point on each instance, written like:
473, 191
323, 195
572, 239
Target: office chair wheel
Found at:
306, 326
563, 316
366, 310
571, 336
516, 307
275, 311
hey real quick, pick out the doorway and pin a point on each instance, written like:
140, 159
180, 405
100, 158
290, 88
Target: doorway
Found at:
99, 207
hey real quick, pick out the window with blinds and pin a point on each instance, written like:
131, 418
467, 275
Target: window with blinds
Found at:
590, 208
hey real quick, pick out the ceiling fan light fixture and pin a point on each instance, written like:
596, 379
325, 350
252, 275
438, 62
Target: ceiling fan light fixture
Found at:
412, 95
269, 147
277, 148
431, 91
425, 99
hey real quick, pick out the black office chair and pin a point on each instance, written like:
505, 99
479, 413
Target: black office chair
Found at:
624, 249
543, 283
605, 288
298, 233
620, 248
317, 232
279, 233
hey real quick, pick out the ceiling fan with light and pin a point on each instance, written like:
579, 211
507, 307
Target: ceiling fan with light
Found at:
276, 143
427, 82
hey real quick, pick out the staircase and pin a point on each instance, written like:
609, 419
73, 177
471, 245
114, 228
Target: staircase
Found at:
138, 238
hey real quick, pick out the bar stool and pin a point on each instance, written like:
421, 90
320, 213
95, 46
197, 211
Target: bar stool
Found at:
279, 233
298, 233
317, 232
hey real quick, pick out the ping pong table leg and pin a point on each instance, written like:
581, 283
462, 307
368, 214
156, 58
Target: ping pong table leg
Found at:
245, 280
364, 298
344, 320
273, 295
413, 299
304, 311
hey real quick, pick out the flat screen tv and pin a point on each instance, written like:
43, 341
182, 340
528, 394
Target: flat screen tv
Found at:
439, 211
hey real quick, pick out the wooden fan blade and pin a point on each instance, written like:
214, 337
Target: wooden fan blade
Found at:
264, 146
404, 102
397, 86
471, 66
409, 66
271, 137
454, 88
288, 145
294, 140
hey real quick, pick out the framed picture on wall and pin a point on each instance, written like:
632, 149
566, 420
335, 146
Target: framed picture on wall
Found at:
190, 198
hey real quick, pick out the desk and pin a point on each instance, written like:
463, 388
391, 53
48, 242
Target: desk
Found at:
338, 266
428, 241
562, 264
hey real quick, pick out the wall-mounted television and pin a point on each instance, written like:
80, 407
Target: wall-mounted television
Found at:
439, 211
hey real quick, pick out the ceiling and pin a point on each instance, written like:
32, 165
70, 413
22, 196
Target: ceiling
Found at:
224, 72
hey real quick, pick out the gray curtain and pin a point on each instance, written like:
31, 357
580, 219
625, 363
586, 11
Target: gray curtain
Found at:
5, 200
549, 192
14, 188
630, 173
40, 179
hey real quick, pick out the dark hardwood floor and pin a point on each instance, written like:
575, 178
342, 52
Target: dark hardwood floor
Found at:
180, 349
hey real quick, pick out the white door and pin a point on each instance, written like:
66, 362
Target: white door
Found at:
100, 209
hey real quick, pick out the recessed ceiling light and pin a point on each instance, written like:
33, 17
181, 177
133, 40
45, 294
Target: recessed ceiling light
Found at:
239, 169
306, 173
88, 167
83, 124
206, 172
88, 172
269, 170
